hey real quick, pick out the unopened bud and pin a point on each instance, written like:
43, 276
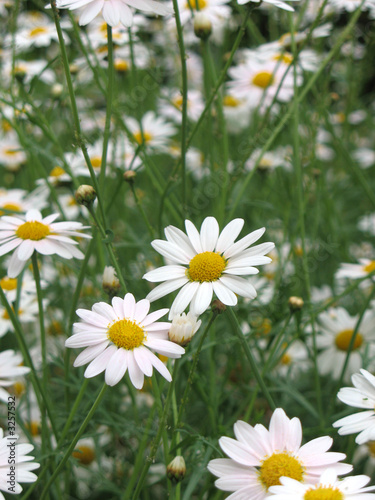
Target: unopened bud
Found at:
183, 328
111, 283
129, 176
73, 68
218, 307
295, 304
176, 469
202, 25
57, 90
85, 195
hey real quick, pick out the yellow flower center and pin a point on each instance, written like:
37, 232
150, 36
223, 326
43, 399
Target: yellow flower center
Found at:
146, 137
57, 172
370, 267
278, 465
121, 65
33, 427
263, 79
285, 58
11, 152
85, 454
72, 202
96, 161
206, 266
55, 328
8, 283
19, 388
6, 126
177, 101
126, 333
231, 101
344, 338
196, 4
286, 359
37, 31
323, 493
6, 315
33, 230
371, 448
12, 207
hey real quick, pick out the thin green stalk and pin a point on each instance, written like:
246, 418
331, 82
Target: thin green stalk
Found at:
184, 104
354, 336
73, 307
39, 391
34, 260
108, 116
73, 102
107, 239
250, 357
289, 112
73, 412
150, 459
193, 367
141, 210
69, 451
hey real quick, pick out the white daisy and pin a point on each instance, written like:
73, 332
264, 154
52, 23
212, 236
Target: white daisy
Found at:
19, 200
117, 337
12, 155
9, 285
259, 457
114, 11
155, 132
276, 3
205, 263
351, 5
354, 271
10, 370
27, 313
361, 396
33, 232
336, 332
22, 466
328, 488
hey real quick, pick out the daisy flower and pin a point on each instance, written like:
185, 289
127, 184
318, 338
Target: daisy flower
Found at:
10, 370
361, 396
114, 11
205, 263
354, 271
258, 457
351, 5
27, 313
155, 132
23, 464
12, 155
33, 232
276, 3
328, 488
336, 332
117, 339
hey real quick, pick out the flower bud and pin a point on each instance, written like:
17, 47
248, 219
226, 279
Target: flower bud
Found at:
85, 195
295, 304
218, 307
176, 469
111, 283
129, 176
202, 25
57, 90
183, 328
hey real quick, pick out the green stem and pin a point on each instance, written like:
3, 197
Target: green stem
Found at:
107, 127
39, 391
184, 104
69, 451
150, 459
73, 102
289, 112
250, 357
141, 210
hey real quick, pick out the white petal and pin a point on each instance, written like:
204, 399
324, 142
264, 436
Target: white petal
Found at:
194, 236
239, 286
229, 234
143, 361
203, 298
242, 244
116, 368
99, 364
166, 288
25, 250
129, 306
183, 298
209, 234
90, 353
223, 293
110, 13
135, 373
165, 273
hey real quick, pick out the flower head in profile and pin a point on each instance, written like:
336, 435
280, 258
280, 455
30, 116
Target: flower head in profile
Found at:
24, 234
329, 487
207, 262
117, 339
23, 464
10, 370
260, 457
114, 11
362, 395
276, 3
